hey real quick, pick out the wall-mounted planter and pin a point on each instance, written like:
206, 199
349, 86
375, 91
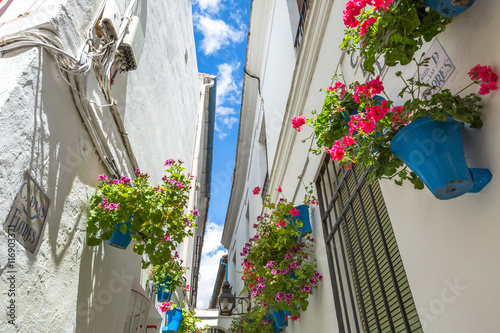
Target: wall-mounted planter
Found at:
449, 8
164, 293
279, 318
271, 319
304, 217
119, 239
435, 152
175, 319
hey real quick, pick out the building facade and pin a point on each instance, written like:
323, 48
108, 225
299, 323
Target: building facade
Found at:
89, 88
394, 259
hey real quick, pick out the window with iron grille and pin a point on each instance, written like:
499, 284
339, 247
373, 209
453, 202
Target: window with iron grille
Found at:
303, 6
370, 286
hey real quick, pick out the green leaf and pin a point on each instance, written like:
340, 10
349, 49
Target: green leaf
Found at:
92, 241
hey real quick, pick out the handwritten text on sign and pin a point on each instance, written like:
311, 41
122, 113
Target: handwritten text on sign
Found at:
28, 213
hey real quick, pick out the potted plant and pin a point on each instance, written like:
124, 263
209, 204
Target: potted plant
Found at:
154, 216
449, 8
279, 271
394, 29
167, 277
257, 320
180, 320
371, 138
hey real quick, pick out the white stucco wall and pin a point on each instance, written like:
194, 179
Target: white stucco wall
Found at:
449, 248
65, 285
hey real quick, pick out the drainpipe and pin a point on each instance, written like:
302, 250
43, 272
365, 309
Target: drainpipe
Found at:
196, 158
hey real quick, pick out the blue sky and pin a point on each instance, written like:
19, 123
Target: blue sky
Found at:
220, 30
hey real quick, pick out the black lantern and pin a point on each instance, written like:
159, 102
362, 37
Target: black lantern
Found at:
226, 300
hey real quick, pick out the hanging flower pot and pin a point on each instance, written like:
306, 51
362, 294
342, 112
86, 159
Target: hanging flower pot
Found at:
119, 239
271, 319
164, 292
279, 318
175, 319
304, 217
434, 151
449, 8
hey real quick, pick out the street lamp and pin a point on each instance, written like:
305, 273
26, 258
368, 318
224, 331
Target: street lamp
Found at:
227, 301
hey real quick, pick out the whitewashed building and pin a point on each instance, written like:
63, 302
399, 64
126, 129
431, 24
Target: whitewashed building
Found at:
424, 264
93, 87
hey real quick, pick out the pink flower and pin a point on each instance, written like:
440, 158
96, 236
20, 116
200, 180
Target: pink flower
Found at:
487, 87
377, 112
279, 189
169, 161
102, 177
164, 307
187, 287
384, 4
341, 86
375, 86
256, 190
137, 171
366, 25
294, 212
337, 151
294, 318
125, 180
368, 126
196, 212
330, 89
346, 142
487, 77
297, 122
168, 238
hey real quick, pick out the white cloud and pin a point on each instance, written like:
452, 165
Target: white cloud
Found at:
210, 258
209, 5
216, 33
227, 88
228, 91
229, 121
225, 111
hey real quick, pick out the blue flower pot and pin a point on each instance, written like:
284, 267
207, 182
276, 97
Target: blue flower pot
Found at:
271, 319
449, 8
119, 239
164, 293
434, 151
304, 217
279, 318
175, 319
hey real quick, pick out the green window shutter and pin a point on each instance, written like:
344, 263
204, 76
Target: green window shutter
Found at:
371, 290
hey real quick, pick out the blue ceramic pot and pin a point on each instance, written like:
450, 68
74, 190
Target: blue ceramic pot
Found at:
279, 318
434, 151
164, 293
175, 319
271, 319
304, 217
449, 8
119, 239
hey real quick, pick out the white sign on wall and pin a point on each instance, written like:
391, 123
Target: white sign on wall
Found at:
27, 215
439, 68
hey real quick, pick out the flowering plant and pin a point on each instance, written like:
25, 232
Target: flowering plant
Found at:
393, 28
171, 269
156, 214
255, 321
278, 269
355, 127
189, 319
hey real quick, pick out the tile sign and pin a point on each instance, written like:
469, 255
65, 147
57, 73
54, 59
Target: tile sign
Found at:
28, 213
439, 68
